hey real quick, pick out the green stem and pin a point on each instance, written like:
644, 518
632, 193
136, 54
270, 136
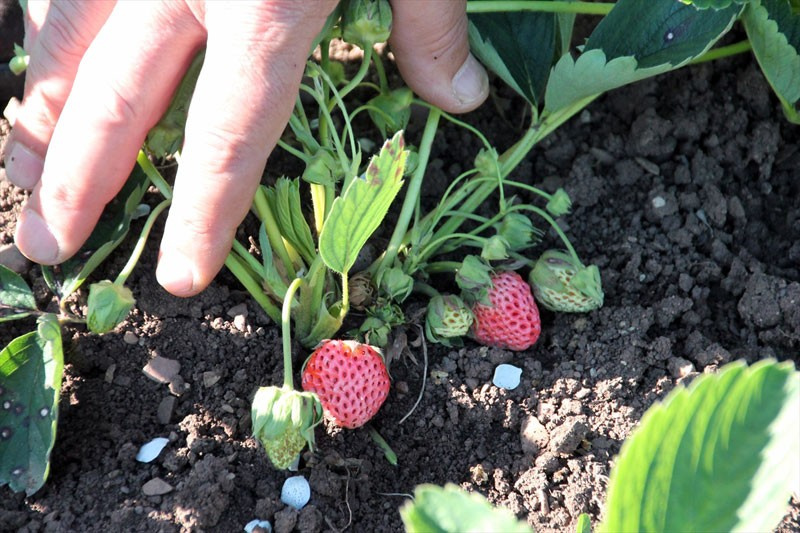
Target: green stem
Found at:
345, 295
723, 51
247, 257
286, 333
412, 194
262, 209
155, 176
442, 267
382, 79
137, 250
420, 287
383, 445
239, 269
583, 8
360, 74
294, 151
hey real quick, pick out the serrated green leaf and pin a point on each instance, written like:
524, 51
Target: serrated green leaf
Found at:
722, 455
517, 46
636, 40
16, 297
450, 509
356, 214
774, 32
272, 278
286, 204
109, 232
31, 369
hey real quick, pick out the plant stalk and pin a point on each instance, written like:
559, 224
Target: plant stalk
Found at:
137, 250
286, 333
581, 8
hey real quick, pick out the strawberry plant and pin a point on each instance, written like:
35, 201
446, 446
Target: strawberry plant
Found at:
313, 226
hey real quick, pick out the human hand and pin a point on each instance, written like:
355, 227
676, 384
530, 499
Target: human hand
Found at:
102, 74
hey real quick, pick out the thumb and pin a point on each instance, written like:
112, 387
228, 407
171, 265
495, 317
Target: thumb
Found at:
431, 48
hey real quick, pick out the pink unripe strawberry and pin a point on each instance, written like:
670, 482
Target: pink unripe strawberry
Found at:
350, 379
510, 319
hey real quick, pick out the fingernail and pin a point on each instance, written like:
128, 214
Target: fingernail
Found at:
175, 274
23, 166
35, 240
470, 83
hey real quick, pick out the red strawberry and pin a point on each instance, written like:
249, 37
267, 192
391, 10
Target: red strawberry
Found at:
350, 379
511, 320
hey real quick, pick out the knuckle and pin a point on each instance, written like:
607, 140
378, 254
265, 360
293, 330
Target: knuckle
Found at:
115, 109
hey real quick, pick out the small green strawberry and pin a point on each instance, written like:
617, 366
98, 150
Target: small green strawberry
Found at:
562, 283
448, 319
350, 379
284, 421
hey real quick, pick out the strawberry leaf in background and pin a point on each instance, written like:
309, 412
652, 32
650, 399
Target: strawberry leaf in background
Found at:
636, 40
356, 214
774, 31
518, 47
722, 455
16, 297
109, 232
31, 368
450, 509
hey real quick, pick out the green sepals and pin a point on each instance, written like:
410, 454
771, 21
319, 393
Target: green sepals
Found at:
366, 22
447, 320
474, 277
562, 283
109, 304
283, 420
323, 168
450, 509
559, 203
486, 162
412, 161
381, 319
391, 111
518, 231
495, 248
396, 284
19, 63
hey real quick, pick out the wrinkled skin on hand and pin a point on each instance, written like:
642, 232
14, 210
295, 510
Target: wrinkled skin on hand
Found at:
102, 73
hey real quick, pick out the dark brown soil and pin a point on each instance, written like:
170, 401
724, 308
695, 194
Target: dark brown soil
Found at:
686, 191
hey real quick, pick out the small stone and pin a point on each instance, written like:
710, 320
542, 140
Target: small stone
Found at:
533, 436
110, 373
156, 487
240, 322
12, 258
161, 369
177, 386
211, 378
165, 409
130, 338
567, 437
679, 367
238, 310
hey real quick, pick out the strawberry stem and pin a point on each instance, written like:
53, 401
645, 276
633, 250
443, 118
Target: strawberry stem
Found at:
286, 333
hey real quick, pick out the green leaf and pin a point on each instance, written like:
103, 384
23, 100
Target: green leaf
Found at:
453, 510
356, 214
285, 203
109, 232
16, 297
31, 368
634, 41
584, 524
517, 46
774, 32
272, 278
722, 455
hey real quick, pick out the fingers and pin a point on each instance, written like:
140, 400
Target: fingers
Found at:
122, 87
431, 47
243, 99
57, 35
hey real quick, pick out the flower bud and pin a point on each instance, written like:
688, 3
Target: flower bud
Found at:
448, 319
393, 110
518, 231
486, 162
109, 304
19, 63
562, 283
559, 203
396, 284
495, 248
322, 168
366, 22
283, 420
